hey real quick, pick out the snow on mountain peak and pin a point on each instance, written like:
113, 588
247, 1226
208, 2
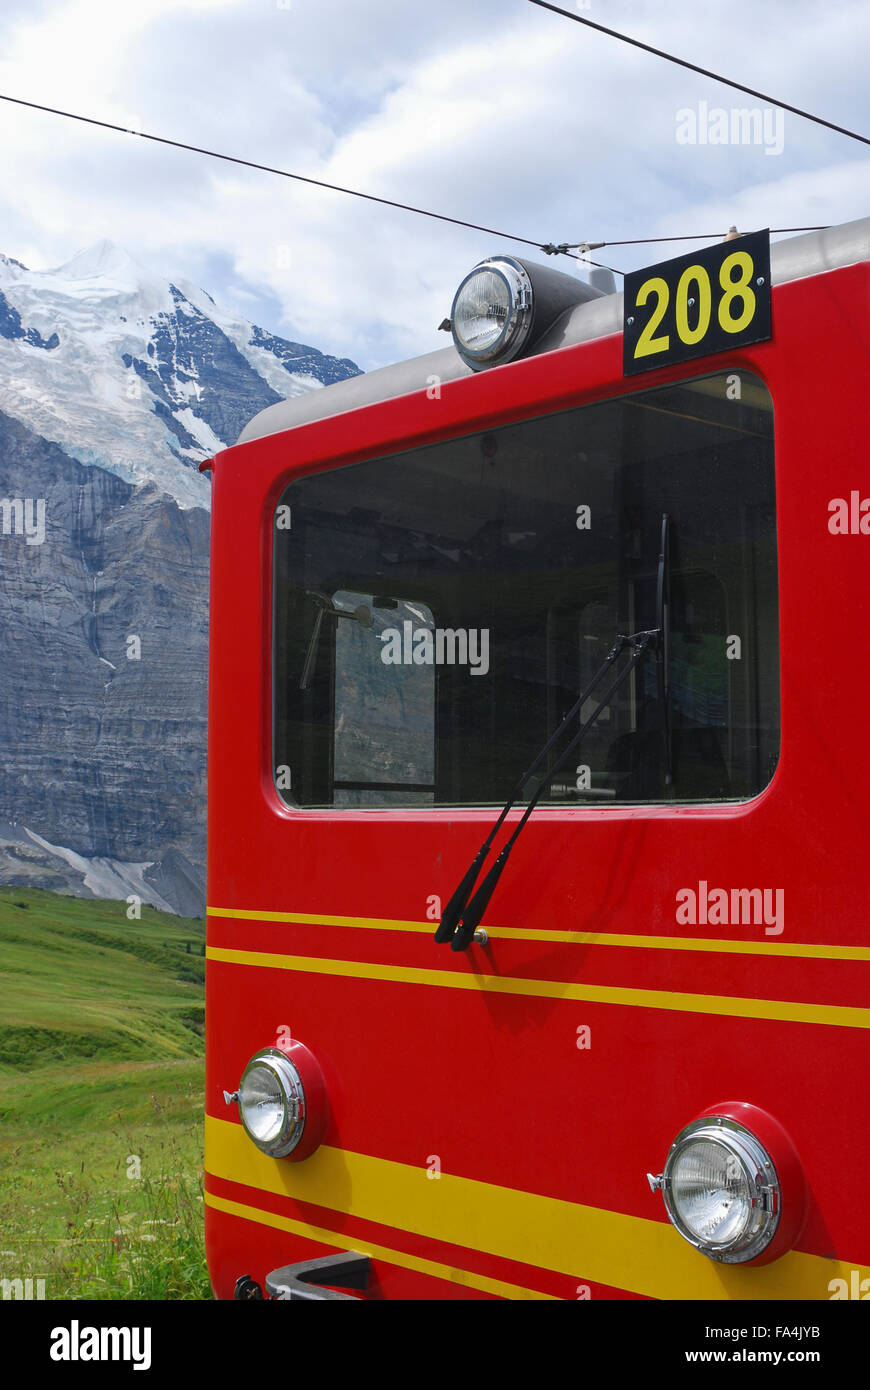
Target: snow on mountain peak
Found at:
105, 271
132, 373
106, 260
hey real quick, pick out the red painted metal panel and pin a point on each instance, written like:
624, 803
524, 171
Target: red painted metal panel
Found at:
449, 1063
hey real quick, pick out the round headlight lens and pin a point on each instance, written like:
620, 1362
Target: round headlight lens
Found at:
263, 1104
482, 311
711, 1192
272, 1103
721, 1190
492, 312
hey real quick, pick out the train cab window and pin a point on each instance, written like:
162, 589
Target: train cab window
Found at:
436, 612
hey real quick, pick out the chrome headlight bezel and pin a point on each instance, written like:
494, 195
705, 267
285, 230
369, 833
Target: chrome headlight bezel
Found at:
752, 1164
289, 1089
518, 315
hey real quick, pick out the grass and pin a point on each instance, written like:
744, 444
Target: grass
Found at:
101, 1085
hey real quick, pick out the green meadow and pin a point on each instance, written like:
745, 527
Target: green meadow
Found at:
101, 1084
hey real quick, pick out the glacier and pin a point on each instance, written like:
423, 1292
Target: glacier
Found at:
140, 375
115, 384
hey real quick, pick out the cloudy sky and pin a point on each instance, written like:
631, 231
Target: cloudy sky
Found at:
490, 110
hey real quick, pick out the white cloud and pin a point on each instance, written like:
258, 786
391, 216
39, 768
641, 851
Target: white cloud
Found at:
503, 115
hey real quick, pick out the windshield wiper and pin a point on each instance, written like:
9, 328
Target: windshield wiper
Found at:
462, 915
460, 918
326, 608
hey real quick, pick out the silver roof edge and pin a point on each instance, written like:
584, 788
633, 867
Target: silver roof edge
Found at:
792, 259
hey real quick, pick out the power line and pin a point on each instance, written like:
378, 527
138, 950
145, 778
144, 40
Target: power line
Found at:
286, 174
705, 72
701, 236
564, 248
552, 249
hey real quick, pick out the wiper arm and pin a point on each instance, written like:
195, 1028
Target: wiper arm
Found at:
324, 605
461, 917
326, 608
663, 623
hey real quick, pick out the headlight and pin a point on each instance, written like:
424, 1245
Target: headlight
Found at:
272, 1103
492, 312
504, 308
282, 1101
721, 1190
734, 1186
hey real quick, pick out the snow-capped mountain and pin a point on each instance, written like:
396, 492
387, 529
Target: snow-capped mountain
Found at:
138, 375
114, 386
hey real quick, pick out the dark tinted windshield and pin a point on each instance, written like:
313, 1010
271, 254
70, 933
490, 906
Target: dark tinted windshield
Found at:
437, 611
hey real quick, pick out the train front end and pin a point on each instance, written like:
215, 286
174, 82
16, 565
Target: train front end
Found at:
629, 1064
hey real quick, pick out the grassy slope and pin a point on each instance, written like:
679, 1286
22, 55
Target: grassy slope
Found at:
100, 1098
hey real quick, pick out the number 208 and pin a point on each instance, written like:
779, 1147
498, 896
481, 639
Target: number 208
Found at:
737, 295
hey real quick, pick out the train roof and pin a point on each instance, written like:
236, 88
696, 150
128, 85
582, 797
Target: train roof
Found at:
791, 259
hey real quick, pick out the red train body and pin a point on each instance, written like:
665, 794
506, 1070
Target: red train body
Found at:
491, 1114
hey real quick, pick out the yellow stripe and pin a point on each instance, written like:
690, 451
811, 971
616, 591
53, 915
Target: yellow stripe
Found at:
574, 938
497, 1287
585, 1243
837, 1015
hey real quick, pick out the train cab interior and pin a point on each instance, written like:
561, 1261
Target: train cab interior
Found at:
437, 611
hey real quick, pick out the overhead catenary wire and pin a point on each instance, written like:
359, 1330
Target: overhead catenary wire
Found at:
561, 249
697, 236
565, 248
704, 72
287, 174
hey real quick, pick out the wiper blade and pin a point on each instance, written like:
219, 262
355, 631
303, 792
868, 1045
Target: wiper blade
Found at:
461, 917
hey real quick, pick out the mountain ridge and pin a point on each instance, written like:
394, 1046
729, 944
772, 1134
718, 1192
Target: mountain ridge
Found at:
144, 376
115, 384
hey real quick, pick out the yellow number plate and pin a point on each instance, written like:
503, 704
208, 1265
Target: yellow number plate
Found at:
707, 301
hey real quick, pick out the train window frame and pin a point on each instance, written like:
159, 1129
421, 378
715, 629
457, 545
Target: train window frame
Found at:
673, 380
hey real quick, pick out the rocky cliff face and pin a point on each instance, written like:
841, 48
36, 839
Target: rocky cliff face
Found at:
113, 387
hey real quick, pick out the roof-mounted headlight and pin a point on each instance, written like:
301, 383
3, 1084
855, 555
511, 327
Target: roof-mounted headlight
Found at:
505, 305
492, 312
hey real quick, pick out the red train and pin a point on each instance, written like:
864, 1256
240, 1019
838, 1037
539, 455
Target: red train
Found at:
591, 581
